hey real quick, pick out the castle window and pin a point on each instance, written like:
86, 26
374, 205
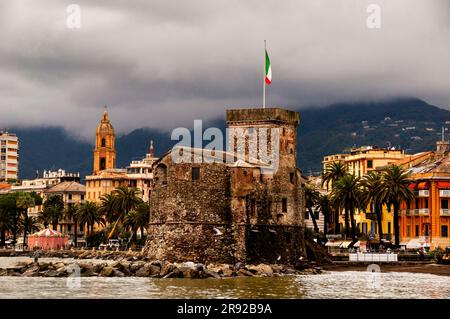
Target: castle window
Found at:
284, 205
103, 142
288, 238
292, 178
195, 173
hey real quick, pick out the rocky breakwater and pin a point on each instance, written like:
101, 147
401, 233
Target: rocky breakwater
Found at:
154, 269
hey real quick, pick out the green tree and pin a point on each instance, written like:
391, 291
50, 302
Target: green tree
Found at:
108, 207
125, 200
333, 172
396, 190
372, 187
53, 210
7, 205
346, 194
88, 215
324, 204
71, 213
28, 225
311, 199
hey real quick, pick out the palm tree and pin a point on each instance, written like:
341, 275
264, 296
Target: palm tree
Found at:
6, 217
125, 200
333, 172
324, 203
395, 190
371, 195
28, 224
88, 214
71, 214
142, 217
108, 207
311, 198
53, 210
347, 194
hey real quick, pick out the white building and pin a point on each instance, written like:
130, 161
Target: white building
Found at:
9, 157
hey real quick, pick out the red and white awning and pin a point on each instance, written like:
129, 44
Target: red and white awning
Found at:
48, 233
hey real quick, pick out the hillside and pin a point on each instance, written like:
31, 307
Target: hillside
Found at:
407, 123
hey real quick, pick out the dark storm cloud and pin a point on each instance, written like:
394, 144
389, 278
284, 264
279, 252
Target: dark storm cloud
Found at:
164, 63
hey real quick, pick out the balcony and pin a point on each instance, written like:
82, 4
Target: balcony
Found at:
415, 212
445, 212
422, 193
444, 193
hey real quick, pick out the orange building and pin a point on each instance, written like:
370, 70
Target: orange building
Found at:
426, 220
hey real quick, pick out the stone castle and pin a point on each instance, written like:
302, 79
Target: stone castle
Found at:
231, 211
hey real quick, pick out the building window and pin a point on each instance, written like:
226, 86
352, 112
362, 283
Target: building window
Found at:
81, 228
195, 173
82, 197
417, 231
102, 163
70, 196
369, 163
444, 231
292, 178
408, 231
103, 142
426, 202
389, 228
284, 205
417, 203
444, 203
69, 228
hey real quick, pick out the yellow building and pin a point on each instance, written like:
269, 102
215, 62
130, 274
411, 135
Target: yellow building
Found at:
106, 177
359, 162
104, 152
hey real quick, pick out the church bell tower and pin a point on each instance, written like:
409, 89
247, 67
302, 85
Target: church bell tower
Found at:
104, 152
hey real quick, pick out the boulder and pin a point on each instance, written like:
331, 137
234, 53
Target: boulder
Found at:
107, 272
98, 267
118, 273
221, 269
261, 269
244, 272
31, 273
3, 272
25, 263
176, 273
135, 266
211, 274
189, 272
148, 270
166, 269
43, 265
59, 265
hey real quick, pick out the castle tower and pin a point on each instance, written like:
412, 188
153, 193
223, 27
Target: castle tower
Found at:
104, 152
284, 121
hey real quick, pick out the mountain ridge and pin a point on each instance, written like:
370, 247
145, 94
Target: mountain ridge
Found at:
408, 123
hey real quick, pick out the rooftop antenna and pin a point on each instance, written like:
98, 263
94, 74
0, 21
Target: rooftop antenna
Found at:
443, 134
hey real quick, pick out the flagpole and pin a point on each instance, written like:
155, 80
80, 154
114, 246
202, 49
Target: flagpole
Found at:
264, 78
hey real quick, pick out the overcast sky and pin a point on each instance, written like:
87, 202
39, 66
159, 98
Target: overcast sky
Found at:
161, 63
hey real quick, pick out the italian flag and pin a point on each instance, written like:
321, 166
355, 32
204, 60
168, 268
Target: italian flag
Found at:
268, 70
